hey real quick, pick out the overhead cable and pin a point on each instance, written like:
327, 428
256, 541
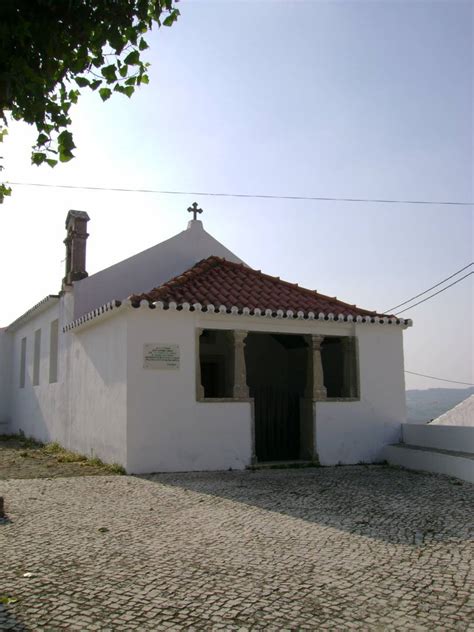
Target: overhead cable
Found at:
386, 311
435, 294
241, 195
441, 379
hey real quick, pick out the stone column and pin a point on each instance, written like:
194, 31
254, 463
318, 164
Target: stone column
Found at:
350, 372
240, 389
317, 379
199, 387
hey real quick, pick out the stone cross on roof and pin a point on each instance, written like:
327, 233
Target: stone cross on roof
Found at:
194, 209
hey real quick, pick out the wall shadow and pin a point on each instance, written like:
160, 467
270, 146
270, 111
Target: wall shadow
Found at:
375, 501
8, 620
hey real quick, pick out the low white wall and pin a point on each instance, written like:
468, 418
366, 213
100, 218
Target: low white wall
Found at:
168, 430
6, 341
353, 432
427, 461
456, 438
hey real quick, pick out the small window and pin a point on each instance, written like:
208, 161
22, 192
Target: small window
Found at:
36, 357
339, 360
23, 363
216, 360
53, 351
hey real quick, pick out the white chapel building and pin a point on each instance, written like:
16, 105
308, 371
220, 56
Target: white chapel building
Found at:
183, 358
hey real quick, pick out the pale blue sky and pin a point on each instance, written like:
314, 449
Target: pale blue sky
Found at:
343, 99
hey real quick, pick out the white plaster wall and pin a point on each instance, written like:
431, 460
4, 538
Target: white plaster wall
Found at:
353, 432
106, 404
460, 415
448, 437
168, 430
35, 410
6, 341
425, 460
97, 401
85, 410
149, 268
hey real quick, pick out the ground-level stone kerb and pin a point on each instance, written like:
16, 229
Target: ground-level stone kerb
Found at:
343, 548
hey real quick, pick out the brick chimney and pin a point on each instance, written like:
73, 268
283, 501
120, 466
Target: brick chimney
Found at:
76, 227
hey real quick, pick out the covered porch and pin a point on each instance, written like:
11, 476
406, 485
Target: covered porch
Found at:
283, 375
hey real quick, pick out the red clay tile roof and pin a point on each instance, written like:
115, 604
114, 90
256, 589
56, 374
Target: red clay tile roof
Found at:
216, 281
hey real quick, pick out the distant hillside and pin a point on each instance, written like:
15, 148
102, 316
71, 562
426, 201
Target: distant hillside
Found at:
425, 405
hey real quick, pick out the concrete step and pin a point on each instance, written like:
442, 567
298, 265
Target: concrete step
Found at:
415, 457
281, 465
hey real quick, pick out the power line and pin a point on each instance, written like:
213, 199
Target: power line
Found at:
441, 379
239, 195
386, 311
431, 295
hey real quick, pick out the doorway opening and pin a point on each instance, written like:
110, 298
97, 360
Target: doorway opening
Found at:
277, 370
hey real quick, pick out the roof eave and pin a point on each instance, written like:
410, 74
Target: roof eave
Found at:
39, 308
91, 318
275, 314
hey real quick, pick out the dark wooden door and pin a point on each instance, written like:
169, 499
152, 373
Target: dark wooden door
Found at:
277, 424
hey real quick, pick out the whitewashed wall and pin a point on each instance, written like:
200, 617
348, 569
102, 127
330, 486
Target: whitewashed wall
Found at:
441, 437
97, 400
149, 268
353, 432
5, 379
85, 410
35, 410
168, 430
106, 404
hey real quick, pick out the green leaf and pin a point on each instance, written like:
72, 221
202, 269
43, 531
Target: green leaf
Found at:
144, 79
42, 139
65, 141
105, 93
51, 162
82, 82
109, 72
65, 156
38, 157
123, 71
132, 58
95, 84
143, 45
170, 19
128, 90
98, 61
4, 192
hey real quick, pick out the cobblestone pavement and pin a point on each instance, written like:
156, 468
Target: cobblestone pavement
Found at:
343, 548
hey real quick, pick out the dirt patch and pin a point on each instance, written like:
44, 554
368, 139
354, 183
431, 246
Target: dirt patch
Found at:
21, 457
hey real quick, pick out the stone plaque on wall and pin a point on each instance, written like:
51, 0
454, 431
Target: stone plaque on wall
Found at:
160, 356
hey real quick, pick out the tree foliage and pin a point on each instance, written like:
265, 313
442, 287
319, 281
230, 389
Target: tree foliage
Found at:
50, 50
